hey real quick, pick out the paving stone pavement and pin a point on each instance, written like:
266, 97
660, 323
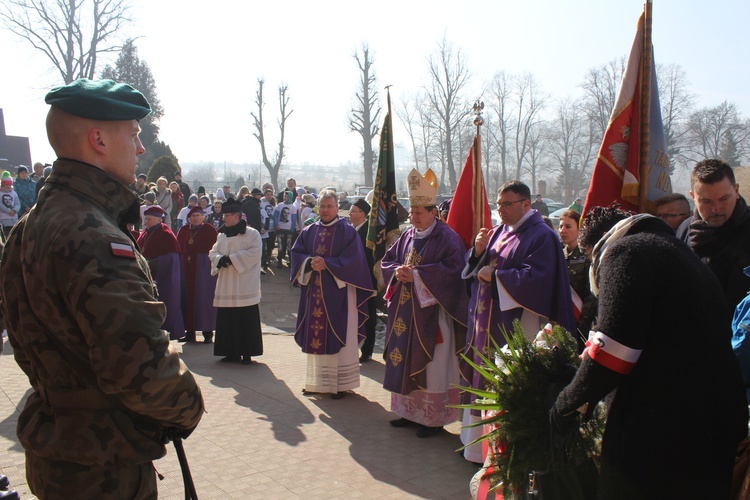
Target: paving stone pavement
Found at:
262, 438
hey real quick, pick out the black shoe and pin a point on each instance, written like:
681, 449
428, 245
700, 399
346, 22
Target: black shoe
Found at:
230, 359
4, 482
339, 395
365, 358
10, 495
425, 432
189, 337
246, 360
208, 337
401, 422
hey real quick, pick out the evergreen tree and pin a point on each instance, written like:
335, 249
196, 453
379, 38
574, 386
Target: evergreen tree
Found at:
729, 151
164, 166
131, 70
154, 151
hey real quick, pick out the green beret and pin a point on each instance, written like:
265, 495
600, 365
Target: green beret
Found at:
101, 100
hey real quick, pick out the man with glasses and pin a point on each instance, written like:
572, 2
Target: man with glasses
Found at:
517, 271
673, 209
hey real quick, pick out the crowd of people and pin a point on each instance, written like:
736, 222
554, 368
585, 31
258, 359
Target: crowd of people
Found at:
118, 261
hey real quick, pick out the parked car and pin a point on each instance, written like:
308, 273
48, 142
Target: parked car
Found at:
553, 205
554, 217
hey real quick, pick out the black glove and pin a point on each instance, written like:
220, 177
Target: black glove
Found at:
223, 262
563, 427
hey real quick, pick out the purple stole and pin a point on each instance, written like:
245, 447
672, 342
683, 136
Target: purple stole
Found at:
320, 326
413, 331
482, 319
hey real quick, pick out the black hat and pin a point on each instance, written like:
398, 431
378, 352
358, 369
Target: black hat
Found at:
231, 206
362, 205
256, 191
22, 168
101, 100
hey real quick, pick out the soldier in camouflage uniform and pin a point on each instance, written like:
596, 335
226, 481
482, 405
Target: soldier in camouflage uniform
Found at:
82, 313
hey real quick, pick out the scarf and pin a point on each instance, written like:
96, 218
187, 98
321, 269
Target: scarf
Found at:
708, 240
602, 246
231, 231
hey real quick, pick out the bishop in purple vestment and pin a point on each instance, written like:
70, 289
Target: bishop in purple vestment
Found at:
427, 312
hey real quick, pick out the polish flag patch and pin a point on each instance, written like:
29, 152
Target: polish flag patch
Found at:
122, 250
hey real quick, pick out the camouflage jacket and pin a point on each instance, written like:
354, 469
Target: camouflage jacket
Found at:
85, 326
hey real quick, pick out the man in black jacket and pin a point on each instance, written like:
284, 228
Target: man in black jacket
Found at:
719, 231
358, 213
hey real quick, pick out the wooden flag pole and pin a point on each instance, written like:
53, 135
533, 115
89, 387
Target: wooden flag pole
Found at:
646, 57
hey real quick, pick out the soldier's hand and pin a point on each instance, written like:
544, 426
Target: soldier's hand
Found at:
480, 242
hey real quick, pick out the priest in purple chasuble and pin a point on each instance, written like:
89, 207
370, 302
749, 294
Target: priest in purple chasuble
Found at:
516, 270
329, 263
159, 245
196, 239
427, 313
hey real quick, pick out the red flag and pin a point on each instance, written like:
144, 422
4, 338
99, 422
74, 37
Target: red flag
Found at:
469, 209
633, 147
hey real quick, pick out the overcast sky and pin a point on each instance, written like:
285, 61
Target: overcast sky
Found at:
206, 62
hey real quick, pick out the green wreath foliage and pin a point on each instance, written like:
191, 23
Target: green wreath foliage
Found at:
522, 381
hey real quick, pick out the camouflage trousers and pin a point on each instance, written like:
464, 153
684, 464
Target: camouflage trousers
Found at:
51, 479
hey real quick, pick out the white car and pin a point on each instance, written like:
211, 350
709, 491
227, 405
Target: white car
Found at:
554, 217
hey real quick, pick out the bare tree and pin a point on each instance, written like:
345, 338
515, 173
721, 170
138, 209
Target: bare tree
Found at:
529, 102
448, 76
71, 33
365, 112
536, 145
570, 146
676, 105
712, 132
275, 165
600, 87
408, 114
500, 89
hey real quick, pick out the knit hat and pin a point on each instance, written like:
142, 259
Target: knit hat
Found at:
256, 191
150, 196
23, 168
6, 179
193, 198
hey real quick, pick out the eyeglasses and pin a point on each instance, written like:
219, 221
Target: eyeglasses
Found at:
671, 216
509, 203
